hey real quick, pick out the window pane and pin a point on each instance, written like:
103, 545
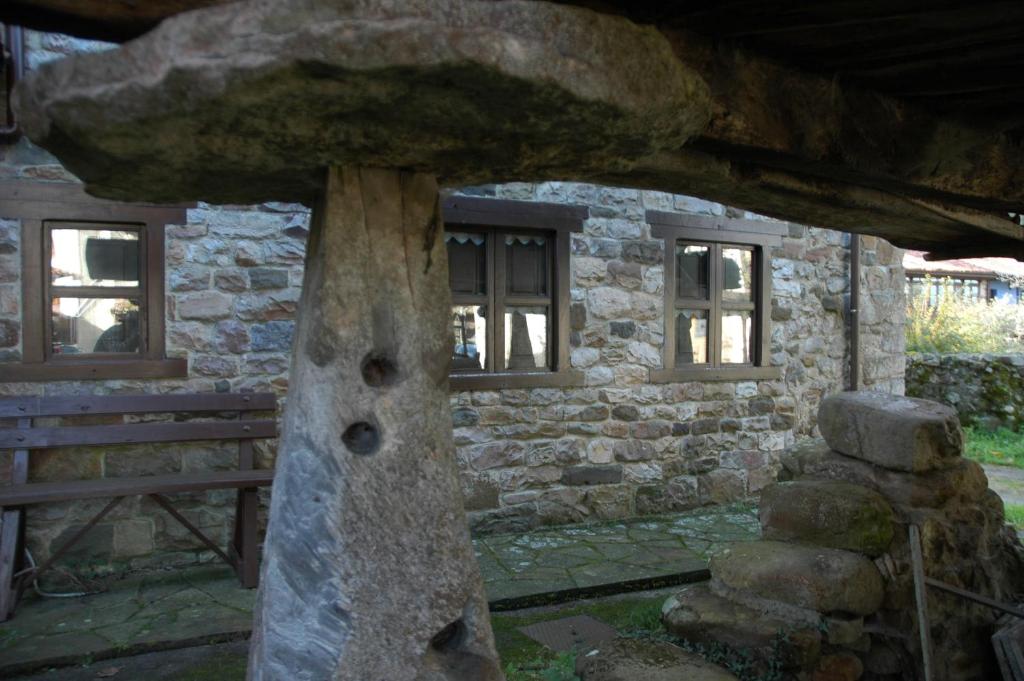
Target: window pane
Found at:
526, 338
467, 262
737, 337
469, 328
692, 337
94, 257
91, 325
692, 272
739, 274
526, 264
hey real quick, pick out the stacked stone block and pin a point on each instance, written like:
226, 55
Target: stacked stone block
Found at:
833, 570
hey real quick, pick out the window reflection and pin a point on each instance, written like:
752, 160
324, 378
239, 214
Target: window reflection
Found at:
469, 328
737, 338
94, 257
738, 274
526, 338
95, 325
692, 337
692, 272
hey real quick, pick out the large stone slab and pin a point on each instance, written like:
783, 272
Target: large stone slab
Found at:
899, 433
251, 101
810, 578
698, 615
833, 514
632, 659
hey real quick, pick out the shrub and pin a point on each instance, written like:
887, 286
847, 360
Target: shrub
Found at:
956, 324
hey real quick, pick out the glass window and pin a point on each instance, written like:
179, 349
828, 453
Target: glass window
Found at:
693, 274
522, 301
526, 338
737, 337
737, 274
526, 265
95, 289
469, 328
692, 337
716, 305
94, 257
95, 326
467, 262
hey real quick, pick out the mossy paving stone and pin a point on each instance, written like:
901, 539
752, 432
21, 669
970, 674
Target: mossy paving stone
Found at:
206, 600
67, 647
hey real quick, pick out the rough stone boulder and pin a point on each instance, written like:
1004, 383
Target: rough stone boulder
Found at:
628, 659
827, 513
899, 433
698, 615
804, 577
814, 460
251, 101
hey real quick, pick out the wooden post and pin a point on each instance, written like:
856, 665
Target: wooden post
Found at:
921, 597
368, 569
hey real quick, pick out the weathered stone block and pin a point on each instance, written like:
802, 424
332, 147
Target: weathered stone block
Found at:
722, 485
262, 278
633, 450
206, 305
813, 578
275, 336
899, 433
592, 475
832, 514
699, 616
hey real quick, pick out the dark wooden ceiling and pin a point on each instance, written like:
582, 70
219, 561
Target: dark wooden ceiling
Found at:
949, 56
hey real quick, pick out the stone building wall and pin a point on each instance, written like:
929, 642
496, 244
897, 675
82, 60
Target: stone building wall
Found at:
986, 390
233, 281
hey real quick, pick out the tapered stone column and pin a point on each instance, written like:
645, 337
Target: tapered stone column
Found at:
367, 507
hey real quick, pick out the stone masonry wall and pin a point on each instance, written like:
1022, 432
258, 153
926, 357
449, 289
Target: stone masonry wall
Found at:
233, 281
985, 389
532, 456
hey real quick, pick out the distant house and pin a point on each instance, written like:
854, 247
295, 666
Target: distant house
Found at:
976, 278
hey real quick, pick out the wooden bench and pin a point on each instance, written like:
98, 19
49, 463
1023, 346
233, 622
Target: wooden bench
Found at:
25, 437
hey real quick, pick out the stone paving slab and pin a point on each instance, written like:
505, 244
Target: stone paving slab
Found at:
170, 609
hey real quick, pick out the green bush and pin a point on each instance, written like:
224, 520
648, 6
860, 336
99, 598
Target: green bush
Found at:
956, 324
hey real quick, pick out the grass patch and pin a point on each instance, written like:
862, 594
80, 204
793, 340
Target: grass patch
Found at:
1015, 515
526, 660
222, 667
1003, 447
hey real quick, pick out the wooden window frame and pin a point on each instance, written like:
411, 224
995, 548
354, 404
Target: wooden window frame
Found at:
718, 233
36, 205
499, 217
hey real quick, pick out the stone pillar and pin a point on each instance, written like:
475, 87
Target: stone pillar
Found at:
369, 573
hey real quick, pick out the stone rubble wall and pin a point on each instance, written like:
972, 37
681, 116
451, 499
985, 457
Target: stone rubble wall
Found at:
986, 390
617, 446
834, 570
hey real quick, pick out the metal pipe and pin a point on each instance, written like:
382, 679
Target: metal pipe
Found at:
14, 70
854, 312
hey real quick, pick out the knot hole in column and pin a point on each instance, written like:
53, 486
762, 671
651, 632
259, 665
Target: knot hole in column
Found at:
379, 370
362, 437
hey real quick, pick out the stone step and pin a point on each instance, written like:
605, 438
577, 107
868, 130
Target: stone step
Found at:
833, 514
632, 659
697, 615
804, 577
895, 432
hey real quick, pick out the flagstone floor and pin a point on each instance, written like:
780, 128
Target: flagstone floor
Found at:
178, 608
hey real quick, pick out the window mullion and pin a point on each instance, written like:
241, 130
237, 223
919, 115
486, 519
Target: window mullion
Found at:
715, 323
497, 253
